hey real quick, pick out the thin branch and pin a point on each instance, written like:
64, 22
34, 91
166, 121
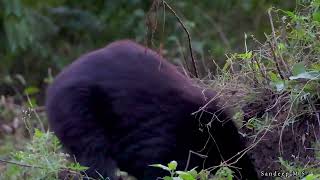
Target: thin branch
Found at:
38, 167
188, 34
19, 164
275, 42
189, 158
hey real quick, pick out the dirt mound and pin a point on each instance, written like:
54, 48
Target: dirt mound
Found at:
284, 144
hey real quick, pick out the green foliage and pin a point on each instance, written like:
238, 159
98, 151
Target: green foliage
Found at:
287, 67
40, 35
255, 123
290, 60
40, 159
312, 177
224, 173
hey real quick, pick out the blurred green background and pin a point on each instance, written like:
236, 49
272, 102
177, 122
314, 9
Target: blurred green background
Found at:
38, 38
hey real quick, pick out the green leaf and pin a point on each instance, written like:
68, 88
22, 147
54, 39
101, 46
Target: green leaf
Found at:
273, 77
312, 177
167, 178
281, 47
279, 85
311, 75
38, 134
185, 175
160, 166
290, 14
32, 103
193, 172
247, 55
224, 173
31, 90
172, 165
298, 68
77, 167
316, 16
203, 175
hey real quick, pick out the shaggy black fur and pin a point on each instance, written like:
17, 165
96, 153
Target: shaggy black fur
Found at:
125, 106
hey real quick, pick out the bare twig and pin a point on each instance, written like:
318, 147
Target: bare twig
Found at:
189, 158
240, 154
19, 164
38, 167
188, 34
277, 101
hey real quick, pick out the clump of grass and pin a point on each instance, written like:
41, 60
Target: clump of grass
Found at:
276, 86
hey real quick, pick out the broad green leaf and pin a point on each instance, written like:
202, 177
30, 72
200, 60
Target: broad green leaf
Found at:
298, 69
185, 175
311, 75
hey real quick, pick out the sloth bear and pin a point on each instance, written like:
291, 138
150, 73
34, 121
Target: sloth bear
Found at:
124, 106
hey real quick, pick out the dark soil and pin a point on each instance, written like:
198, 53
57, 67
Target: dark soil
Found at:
297, 147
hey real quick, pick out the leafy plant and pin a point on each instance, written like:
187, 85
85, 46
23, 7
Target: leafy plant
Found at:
224, 173
41, 159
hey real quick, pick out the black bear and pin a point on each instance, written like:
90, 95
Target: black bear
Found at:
124, 106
